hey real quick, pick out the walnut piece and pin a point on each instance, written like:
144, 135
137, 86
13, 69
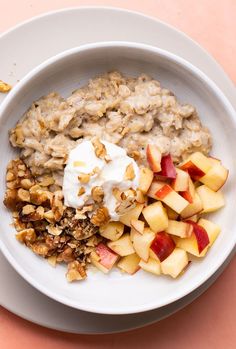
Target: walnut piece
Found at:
75, 272
81, 191
4, 87
129, 173
99, 148
100, 217
26, 235
84, 178
97, 194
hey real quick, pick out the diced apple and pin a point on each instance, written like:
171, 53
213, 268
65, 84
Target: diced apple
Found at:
162, 245
152, 266
142, 243
171, 213
212, 229
140, 197
122, 246
201, 235
155, 186
137, 225
112, 231
103, 258
95, 261
214, 161
194, 218
153, 255
171, 198
145, 179
197, 165
156, 216
181, 182
167, 167
181, 229
211, 200
154, 157
193, 208
215, 177
129, 264
134, 213
189, 245
107, 258
189, 193
175, 263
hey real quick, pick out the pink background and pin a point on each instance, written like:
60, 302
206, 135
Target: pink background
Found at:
209, 322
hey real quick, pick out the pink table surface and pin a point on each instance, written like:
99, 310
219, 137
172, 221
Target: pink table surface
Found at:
209, 322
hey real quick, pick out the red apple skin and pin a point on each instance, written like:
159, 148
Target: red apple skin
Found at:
107, 256
201, 235
152, 154
167, 167
162, 245
163, 192
187, 196
194, 172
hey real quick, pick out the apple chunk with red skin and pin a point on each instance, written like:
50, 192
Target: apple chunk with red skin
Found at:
163, 245
154, 157
189, 193
193, 208
197, 165
103, 258
167, 167
164, 192
200, 234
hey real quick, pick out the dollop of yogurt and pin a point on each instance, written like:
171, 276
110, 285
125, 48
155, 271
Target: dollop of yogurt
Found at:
106, 174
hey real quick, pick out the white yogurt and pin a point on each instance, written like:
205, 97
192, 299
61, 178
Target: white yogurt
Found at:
82, 159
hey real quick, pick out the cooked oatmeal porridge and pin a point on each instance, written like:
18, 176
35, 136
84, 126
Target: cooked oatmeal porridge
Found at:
87, 168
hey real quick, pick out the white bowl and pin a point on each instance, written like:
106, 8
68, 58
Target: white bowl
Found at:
116, 293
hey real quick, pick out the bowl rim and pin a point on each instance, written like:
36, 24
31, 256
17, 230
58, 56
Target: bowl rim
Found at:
166, 55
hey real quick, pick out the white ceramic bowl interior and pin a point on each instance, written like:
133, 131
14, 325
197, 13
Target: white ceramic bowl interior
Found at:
117, 293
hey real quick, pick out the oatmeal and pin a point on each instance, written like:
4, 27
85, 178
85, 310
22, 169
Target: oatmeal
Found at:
129, 112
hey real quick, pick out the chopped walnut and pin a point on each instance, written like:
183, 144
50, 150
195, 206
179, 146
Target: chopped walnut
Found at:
99, 148
40, 248
84, 178
135, 154
49, 216
54, 230
4, 87
75, 272
57, 205
100, 217
128, 201
97, 194
23, 195
52, 260
81, 191
26, 235
80, 213
66, 256
129, 173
